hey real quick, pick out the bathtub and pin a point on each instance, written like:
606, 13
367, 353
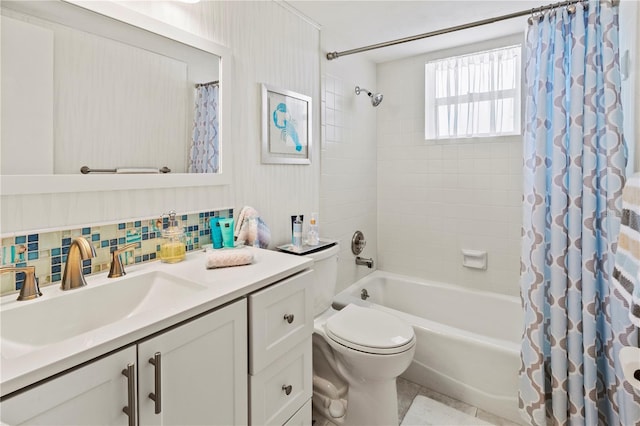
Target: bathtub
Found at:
468, 342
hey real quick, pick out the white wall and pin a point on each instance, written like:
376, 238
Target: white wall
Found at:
270, 44
348, 172
437, 198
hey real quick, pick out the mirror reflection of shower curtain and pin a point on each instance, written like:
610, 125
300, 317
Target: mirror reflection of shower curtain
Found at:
204, 156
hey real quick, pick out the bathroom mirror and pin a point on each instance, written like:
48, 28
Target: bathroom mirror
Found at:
107, 87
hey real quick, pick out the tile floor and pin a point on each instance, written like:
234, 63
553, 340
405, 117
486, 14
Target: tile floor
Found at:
407, 391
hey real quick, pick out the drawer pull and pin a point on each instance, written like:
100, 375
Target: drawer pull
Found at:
130, 409
287, 389
288, 318
156, 395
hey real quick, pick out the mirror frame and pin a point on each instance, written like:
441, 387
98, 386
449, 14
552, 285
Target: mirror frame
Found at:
73, 13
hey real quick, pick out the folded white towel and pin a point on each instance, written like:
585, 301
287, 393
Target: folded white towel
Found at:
228, 257
626, 271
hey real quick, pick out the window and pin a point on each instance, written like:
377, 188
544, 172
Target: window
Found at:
476, 95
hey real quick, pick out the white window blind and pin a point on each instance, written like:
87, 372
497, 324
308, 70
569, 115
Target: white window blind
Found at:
476, 95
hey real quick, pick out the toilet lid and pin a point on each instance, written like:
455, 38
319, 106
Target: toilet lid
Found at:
369, 330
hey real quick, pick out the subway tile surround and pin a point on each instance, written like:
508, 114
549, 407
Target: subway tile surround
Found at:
47, 250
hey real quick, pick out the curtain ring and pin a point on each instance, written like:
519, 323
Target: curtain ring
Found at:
571, 8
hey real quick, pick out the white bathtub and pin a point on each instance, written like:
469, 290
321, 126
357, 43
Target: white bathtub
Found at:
468, 342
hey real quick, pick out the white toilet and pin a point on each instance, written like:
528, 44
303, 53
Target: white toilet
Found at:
358, 353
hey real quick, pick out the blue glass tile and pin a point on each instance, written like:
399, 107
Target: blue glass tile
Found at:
122, 240
121, 226
56, 260
195, 240
201, 215
32, 238
138, 259
137, 224
152, 235
184, 217
112, 249
145, 237
86, 231
145, 257
196, 227
21, 239
32, 255
56, 269
64, 258
65, 250
113, 242
21, 265
145, 229
104, 243
56, 277
55, 251
189, 247
20, 276
95, 237
32, 247
19, 284
152, 256
87, 270
66, 242
86, 262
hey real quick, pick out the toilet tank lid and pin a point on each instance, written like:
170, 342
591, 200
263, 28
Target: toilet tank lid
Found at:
331, 250
370, 328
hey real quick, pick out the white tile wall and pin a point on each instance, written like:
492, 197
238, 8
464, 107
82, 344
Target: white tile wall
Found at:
437, 198
348, 186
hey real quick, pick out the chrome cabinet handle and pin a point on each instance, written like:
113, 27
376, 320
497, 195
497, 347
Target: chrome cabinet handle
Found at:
156, 395
130, 409
287, 389
288, 318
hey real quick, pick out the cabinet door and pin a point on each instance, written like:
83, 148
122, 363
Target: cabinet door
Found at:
91, 395
202, 371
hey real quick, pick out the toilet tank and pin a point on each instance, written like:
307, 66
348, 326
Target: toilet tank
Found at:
325, 276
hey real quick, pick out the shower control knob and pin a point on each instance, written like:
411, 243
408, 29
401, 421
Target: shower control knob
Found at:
287, 389
288, 318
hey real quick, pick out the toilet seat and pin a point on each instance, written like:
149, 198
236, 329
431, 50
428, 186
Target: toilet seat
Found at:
369, 330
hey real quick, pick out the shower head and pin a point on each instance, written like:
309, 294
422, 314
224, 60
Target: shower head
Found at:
376, 98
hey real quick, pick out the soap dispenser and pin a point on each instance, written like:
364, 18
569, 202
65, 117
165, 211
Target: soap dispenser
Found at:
173, 247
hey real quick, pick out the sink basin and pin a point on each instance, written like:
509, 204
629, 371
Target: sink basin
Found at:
63, 315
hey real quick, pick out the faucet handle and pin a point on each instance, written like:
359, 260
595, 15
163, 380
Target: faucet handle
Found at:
117, 269
30, 288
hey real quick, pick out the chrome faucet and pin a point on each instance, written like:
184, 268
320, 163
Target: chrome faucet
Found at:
117, 269
30, 289
368, 262
79, 250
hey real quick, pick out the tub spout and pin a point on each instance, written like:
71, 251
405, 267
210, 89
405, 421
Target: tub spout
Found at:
368, 262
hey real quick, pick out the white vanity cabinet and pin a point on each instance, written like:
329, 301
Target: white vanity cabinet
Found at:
201, 379
198, 369
280, 329
90, 395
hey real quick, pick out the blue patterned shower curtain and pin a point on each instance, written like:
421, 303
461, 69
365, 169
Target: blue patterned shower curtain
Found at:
204, 155
574, 160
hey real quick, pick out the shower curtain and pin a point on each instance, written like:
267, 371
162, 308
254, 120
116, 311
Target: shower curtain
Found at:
204, 155
574, 160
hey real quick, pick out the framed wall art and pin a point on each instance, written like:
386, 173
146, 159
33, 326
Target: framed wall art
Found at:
286, 127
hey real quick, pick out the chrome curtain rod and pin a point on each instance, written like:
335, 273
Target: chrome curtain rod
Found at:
335, 55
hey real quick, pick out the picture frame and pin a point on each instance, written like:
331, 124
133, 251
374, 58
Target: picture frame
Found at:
286, 126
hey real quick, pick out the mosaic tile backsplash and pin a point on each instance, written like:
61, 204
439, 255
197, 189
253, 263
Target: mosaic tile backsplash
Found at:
47, 251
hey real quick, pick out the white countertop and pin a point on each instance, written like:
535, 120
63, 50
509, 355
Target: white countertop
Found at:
222, 286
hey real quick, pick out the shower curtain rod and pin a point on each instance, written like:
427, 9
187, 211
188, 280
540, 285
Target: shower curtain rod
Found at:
335, 55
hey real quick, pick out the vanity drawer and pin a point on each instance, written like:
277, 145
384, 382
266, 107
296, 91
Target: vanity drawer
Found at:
303, 417
270, 404
280, 317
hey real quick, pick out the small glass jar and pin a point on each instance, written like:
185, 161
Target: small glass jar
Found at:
173, 247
